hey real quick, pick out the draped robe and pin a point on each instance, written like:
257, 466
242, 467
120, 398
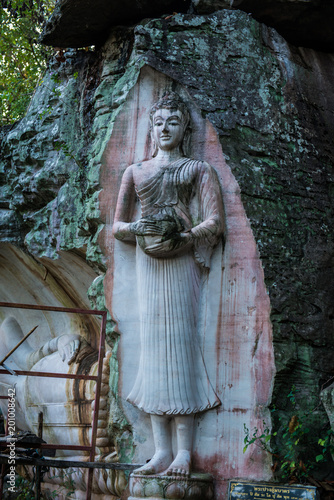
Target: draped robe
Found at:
172, 377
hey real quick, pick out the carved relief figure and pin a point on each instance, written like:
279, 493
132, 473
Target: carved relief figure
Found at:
25, 358
181, 222
66, 404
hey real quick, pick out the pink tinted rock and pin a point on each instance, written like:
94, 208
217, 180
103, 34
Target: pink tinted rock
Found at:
236, 328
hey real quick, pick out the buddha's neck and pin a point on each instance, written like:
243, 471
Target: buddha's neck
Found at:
168, 156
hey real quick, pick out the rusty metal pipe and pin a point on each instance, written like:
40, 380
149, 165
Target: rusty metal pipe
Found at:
38, 468
52, 374
36, 307
18, 345
96, 404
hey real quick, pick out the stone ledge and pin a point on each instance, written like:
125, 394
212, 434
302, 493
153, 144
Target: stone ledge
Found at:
81, 23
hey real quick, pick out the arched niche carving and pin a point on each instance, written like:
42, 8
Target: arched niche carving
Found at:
61, 283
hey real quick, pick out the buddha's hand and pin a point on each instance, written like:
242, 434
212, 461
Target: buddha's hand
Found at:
147, 227
68, 347
178, 242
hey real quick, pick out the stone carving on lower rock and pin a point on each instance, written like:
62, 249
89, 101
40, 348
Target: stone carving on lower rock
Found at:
68, 408
181, 222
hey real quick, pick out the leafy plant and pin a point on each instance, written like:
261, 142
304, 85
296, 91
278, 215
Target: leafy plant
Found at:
22, 59
327, 446
288, 463
68, 484
24, 489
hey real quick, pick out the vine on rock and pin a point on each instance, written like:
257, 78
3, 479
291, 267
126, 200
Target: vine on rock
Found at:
286, 449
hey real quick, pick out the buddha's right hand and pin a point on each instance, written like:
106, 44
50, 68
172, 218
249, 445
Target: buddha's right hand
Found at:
146, 227
68, 347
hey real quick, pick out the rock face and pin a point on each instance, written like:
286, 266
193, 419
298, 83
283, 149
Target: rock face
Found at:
271, 106
223, 343
82, 23
305, 23
302, 23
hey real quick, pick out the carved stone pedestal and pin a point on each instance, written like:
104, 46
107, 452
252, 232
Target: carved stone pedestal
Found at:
196, 487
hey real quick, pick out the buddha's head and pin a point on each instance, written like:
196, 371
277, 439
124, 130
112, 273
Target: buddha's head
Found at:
170, 123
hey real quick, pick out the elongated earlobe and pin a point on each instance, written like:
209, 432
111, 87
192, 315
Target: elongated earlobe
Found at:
185, 144
154, 147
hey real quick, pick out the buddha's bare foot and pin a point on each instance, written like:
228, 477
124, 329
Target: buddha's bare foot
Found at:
181, 465
157, 464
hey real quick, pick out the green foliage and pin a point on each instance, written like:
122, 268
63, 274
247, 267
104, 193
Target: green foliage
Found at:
263, 439
22, 59
67, 482
288, 463
24, 489
327, 446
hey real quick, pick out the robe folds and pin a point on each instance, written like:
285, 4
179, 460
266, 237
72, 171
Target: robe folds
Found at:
172, 377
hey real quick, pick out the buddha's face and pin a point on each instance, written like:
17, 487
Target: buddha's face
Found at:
168, 128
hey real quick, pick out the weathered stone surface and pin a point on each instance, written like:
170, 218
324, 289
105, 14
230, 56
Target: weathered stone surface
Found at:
43, 164
271, 105
305, 23
259, 94
234, 326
